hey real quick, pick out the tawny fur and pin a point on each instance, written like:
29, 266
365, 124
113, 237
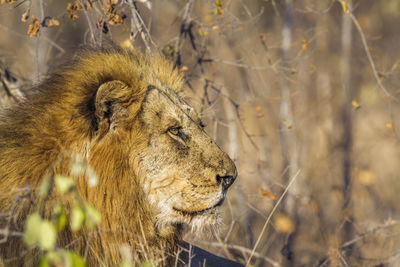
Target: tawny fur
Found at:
114, 109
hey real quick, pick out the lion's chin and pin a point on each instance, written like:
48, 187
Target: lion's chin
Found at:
208, 222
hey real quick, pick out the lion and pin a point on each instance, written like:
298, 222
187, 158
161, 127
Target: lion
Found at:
123, 113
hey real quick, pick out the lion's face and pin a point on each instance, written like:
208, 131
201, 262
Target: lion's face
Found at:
184, 173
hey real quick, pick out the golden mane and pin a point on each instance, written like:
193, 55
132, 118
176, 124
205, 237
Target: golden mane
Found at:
57, 118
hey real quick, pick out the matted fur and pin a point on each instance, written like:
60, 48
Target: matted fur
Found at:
120, 112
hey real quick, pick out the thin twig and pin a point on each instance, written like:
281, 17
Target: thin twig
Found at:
236, 106
359, 237
62, 50
371, 231
241, 65
270, 216
138, 22
38, 40
89, 22
183, 29
365, 45
6, 230
102, 24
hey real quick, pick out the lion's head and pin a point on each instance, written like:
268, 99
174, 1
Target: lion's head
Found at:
184, 173
157, 168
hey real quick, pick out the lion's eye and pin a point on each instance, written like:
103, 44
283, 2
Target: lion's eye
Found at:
174, 130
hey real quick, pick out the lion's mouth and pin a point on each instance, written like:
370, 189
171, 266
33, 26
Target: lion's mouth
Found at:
195, 213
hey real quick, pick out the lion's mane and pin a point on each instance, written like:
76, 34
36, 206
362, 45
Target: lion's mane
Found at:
58, 118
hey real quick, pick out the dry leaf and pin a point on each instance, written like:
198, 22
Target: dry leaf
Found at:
260, 115
304, 45
267, 193
127, 44
100, 24
389, 126
25, 15
114, 19
218, 11
72, 9
184, 68
34, 27
7, 1
78, 5
287, 124
366, 177
344, 6
355, 104
258, 108
283, 224
88, 5
52, 22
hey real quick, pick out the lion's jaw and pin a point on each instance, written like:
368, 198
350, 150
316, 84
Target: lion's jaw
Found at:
203, 220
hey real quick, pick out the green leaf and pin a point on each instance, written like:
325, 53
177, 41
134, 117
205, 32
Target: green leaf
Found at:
44, 262
77, 218
203, 32
32, 230
92, 177
93, 217
39, 232
126, 263
147, 264
47, 235
59, 217
44, 189
218, 3
77, 168
53, 258
74, 260
63, 183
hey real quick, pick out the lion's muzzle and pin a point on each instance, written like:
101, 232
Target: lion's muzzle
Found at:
226, 181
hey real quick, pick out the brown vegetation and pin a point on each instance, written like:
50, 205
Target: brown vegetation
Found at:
301, 92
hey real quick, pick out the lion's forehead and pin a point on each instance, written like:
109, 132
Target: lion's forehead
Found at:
181, 106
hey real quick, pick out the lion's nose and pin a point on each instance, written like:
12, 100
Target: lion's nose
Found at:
226, 181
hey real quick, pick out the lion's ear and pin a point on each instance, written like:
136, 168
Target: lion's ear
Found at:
112, 104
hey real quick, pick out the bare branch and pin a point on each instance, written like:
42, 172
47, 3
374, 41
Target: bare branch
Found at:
89, 22
138, 22
359, 237
102, 24
38, 40
365, 45
183, 29
365, 234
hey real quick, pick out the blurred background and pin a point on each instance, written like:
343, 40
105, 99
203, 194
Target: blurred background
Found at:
304, 96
